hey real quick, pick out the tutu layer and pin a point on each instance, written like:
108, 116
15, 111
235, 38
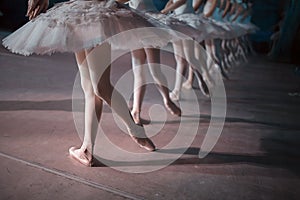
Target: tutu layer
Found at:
76, 25
179, 30
210, 29
249, 27
182, 30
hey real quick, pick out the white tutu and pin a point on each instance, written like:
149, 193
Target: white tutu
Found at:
80, 24
180, 29
231, 30
209, 28
249, 27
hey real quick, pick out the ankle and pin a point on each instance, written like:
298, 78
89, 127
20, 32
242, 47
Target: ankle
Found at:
86, 147
174, 95
136, 116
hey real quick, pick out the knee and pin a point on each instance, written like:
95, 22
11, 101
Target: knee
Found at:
180, 59
137, 62
137, 70
138, 58
157, 74
156, 78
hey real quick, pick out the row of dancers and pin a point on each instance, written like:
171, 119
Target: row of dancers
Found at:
221, 26
83, 27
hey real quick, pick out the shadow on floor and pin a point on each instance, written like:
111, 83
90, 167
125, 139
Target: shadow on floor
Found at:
66, 105
51, 105
270, 160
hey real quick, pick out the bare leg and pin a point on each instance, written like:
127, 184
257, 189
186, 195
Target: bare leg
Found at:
188, 84
153, 56
241, 49
99, 59
210, 47
231, 55
227, 51
138, 58
181, 65
190, 50
92, 112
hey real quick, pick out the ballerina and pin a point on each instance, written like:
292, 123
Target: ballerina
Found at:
213, 9
74, 26
244, 21
198, 6
184, 11
140, 56
152, 56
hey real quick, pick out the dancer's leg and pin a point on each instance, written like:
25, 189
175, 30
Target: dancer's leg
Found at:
189, 48
242, 49
181, 65
188, 84
218, 54
92, 112
215, 58
232, 56
225, 54
207, 65
208, 50
153, 56
138, 58
99, 59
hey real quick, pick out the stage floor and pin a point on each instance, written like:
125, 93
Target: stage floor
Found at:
256, 156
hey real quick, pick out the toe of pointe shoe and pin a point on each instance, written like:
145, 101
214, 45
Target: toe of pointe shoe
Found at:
174, 97
177, 112
136, 118
145, 143
81, 158
187, 85
173, 109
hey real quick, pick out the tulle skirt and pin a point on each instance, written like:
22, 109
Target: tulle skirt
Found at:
81, 24
180, 27
208, 27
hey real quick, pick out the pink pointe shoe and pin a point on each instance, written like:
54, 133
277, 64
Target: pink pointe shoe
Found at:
173, 108
187, 85
145, 143
83, 157
174, 95
138, 135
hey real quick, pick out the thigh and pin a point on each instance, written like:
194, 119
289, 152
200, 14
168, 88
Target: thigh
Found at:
153, 55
